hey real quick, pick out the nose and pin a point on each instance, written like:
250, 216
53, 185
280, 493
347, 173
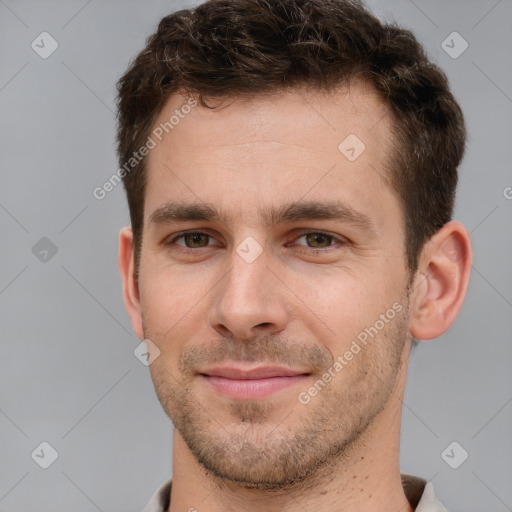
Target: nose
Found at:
250, 300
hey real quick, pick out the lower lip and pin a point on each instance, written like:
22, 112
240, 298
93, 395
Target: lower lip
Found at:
251, 389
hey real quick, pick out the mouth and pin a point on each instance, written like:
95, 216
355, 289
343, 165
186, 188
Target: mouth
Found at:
243, 383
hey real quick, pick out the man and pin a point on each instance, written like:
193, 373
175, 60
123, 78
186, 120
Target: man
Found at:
290, 168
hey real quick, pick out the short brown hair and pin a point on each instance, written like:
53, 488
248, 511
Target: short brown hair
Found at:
253, 47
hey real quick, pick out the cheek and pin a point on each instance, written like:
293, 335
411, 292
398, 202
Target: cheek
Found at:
171, 303
337, 308
169, 291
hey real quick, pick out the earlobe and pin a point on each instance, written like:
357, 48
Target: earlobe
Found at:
131, 294
441, 281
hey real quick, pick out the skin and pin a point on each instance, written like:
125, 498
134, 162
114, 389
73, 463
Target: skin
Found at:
290, 306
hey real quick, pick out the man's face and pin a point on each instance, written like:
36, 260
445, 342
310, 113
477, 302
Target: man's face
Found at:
256, 305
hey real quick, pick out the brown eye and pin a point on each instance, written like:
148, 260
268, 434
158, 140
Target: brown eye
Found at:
317, 240
193, 240
318, 243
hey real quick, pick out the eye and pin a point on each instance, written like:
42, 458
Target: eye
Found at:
313, 242
192, 240
319, 242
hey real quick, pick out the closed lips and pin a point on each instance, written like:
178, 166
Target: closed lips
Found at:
251, 374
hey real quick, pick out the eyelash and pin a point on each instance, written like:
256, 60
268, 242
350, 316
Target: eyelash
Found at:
310, 250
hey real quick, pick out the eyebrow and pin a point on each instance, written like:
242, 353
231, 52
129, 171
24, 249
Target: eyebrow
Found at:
177, 211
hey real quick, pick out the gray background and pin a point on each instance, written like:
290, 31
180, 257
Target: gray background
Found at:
68, 375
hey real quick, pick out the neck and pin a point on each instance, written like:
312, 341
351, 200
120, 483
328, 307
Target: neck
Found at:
366, 478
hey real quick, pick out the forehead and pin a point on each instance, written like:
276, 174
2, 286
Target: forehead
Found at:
273, 117
279, 145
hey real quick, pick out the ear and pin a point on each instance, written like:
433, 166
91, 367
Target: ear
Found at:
131, 294
441, 281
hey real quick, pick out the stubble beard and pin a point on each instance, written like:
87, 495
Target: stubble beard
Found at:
257, 447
